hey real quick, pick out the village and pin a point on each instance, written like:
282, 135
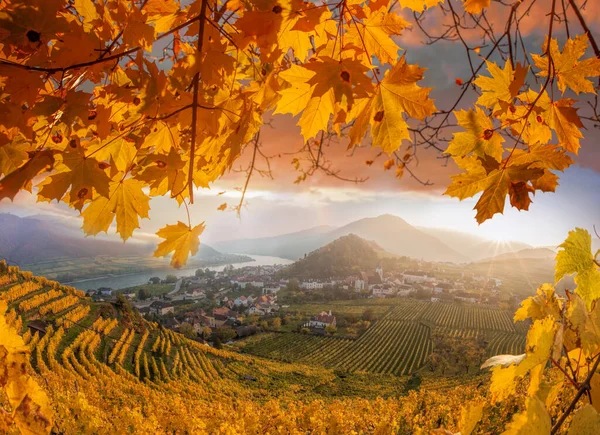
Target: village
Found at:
236, 302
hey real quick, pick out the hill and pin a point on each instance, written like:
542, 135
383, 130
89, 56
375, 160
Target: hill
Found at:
291, 246
530, 253
391, 233
474, 247
397, 236
105, 369
348, 255
30, 240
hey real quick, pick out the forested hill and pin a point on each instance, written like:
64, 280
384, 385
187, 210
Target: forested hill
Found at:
345, 256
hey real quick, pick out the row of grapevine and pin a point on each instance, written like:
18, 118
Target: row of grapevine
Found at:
59, 305
20, 290
500, 343
37, 300
390, 347
453, 316
73, 316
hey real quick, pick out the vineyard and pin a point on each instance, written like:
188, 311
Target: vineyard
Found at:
399, 343
94, 361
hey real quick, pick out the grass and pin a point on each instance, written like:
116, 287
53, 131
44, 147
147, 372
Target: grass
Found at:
152, 289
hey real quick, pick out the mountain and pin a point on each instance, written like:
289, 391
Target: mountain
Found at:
345, 256
530, 253
31, 240
391, 233
291, 245
474, 247
34, 239
397, 236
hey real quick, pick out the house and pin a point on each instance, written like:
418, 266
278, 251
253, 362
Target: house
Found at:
434, 299
161, 308
241, 301
362, 282
224, 313
104, 291
257, 309
442, 287
465, 297
312, 285
404, 290
271, 289
322, 320
382, 290
411, 276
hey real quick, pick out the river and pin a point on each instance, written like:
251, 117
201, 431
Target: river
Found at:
129, 280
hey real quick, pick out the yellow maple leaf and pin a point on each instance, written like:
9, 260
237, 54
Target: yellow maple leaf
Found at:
503, 85
585, 420
475, 6
126, 201
374, 33
535, 420
397, 94
469, 417
419, 5
79, 174
480, 137
575, 256
569, 70
180, 239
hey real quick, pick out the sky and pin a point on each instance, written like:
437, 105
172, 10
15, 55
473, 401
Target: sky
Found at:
276, 206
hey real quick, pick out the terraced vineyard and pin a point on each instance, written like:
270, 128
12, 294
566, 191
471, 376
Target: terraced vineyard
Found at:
399, 343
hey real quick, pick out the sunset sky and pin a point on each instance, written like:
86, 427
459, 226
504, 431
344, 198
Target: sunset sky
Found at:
278, 206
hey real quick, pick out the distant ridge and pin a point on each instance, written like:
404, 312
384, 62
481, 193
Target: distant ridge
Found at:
392, 233
530, 253
34, 239
345, 256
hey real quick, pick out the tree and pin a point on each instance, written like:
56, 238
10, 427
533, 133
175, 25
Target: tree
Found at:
225, 333
368, 315
170, 279
206, 332
217, 343
275, 322
139, 130
330, 329
188, 330
154, 280
143, 294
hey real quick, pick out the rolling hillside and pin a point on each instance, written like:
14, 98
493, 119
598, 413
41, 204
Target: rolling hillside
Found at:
105, 369
392, 233
345, 256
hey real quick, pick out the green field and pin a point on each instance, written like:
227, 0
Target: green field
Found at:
399, 343
152, 289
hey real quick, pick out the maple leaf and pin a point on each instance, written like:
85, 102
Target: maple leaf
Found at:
575, 256
497, 185
126, 201
503, 85
373, 35
419, 5
180, 239
480, 137
475, 6
535, 420
79, 174
397, 94
21, 178
569, 71
586, 419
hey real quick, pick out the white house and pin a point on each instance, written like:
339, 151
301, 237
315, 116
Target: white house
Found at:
312, 285
381, 291
322, 320
257, 309
411, 276
242, 300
